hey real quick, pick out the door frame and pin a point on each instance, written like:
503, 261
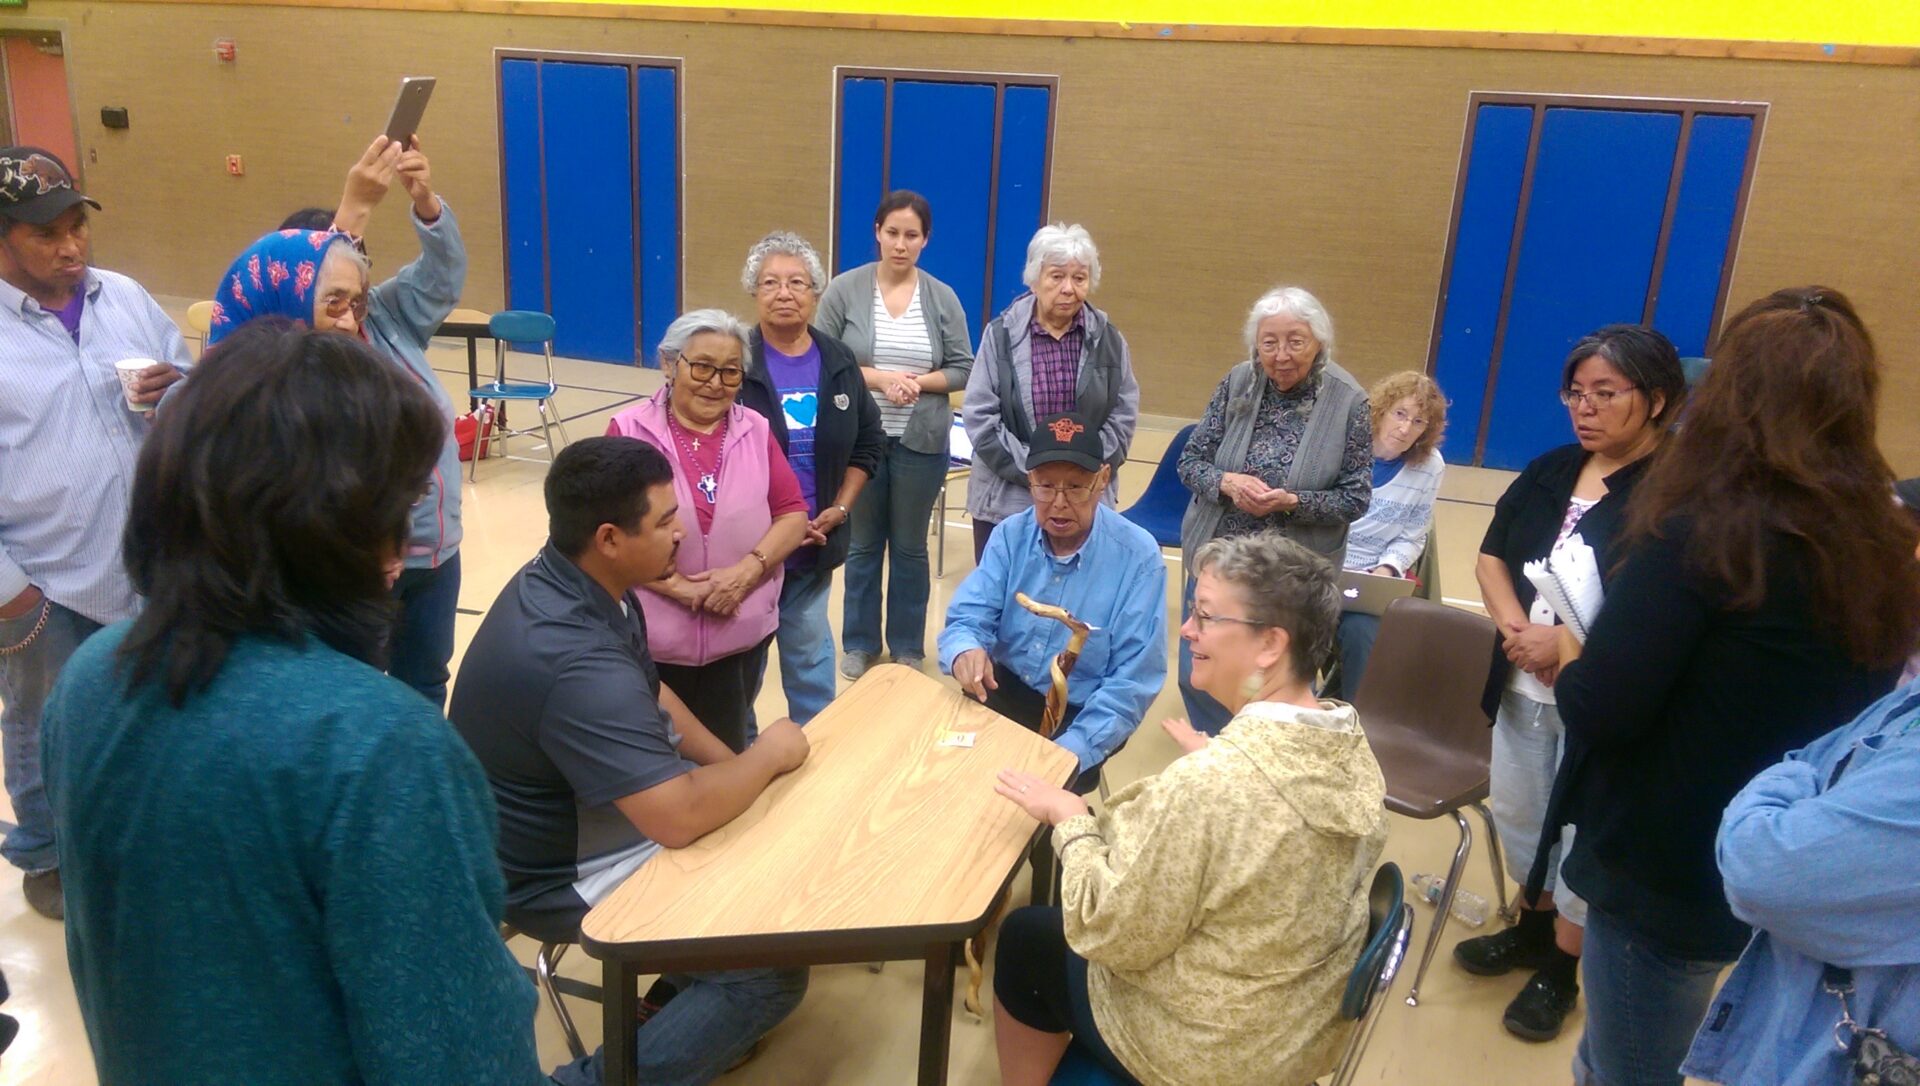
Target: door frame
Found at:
999, 81
25, 25
1687, 108
631, 62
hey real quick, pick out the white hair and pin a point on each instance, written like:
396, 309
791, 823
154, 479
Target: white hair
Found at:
1055, 245
347, 252
1292, 302
699, 322
782, 243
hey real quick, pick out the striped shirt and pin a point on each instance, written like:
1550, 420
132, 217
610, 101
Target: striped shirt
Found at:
68, 441
900, 345
1056, 368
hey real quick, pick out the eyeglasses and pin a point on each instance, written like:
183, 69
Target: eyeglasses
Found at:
1599, 399
339, 305
1398, 415
702, 372
798, 284
1295, 344
1201, 619
1077, 494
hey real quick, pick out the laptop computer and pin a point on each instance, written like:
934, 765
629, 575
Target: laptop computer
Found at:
1370, 593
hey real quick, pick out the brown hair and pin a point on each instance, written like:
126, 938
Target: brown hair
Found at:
1779, 437
1394, 387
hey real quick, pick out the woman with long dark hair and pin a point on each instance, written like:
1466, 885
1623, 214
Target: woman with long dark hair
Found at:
260, 829
1767, 595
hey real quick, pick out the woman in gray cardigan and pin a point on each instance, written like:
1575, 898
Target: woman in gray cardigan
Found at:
1286, 444
910, 334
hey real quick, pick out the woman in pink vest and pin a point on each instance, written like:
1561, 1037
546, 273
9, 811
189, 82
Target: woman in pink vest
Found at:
709, 624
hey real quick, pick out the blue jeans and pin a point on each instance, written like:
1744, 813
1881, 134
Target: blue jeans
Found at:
421, 643
26, 678
1643, 1007
704, 1029
806, 644
1356, 635
891, 516
1205, 714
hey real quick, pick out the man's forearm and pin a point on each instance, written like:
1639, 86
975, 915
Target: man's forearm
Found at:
723, 791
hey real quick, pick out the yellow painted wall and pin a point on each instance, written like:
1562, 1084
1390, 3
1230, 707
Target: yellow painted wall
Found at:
1849, 22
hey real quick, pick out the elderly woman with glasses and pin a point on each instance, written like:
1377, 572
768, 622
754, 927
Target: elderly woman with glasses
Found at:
810, 388
1211, 913
1622, 387
1409, 419
1285, 445
318, 279
1050, 353
710, 621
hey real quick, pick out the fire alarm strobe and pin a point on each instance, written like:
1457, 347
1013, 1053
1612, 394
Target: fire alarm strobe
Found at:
224, 49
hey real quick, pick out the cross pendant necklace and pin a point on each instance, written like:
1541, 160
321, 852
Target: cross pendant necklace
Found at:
709, 483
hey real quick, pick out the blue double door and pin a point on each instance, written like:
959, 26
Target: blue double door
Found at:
590, 166
1572, 217
977, 149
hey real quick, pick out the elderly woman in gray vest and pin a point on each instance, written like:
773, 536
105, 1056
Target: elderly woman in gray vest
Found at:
1050, 353
1286, 444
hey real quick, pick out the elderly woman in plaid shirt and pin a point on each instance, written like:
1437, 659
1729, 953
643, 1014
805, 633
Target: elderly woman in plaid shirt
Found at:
1050, 353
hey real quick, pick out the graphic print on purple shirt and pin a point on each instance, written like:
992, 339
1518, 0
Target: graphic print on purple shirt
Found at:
69, 314
796, 378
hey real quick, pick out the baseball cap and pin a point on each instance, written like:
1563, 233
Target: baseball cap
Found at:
35, 186
1065, 439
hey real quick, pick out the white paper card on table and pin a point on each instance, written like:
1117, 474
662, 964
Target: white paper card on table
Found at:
959, 445
1568, 578
958, 739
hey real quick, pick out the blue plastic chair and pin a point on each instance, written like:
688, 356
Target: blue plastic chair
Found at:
519, 326
1389, 930
1164, 502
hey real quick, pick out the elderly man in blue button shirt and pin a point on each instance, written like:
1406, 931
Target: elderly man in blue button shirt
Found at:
1073, 551
69, 432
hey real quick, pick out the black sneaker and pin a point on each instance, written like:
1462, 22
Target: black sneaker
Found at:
1538, 1011
1523, 946
44, 894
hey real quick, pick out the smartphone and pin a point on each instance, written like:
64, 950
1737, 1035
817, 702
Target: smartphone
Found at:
408, 108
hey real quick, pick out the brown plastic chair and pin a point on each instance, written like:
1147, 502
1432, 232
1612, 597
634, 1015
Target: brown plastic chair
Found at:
1419, 703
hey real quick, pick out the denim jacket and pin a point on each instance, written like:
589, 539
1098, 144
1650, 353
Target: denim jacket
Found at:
1819, 854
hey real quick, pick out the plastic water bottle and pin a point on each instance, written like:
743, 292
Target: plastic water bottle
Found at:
1468, 907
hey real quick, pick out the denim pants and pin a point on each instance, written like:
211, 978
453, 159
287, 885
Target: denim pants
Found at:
704, 1029
890, 521
26, 678
421, 642
1528, 743
1643, 1007
806, 644
1356, 634
1205, 714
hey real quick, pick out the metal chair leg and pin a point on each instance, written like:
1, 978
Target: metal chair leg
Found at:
545, 964
1443, 909
1501, 897
940, 536
546, 429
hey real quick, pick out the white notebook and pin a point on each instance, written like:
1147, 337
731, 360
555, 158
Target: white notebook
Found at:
1568, 578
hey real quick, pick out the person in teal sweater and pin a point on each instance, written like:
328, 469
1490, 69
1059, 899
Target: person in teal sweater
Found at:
279, 862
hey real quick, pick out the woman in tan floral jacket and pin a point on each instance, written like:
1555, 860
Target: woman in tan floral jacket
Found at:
1212, 914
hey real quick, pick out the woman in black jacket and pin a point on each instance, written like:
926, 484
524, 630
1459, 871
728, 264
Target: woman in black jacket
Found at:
810, 388
1768, 594
1622, 386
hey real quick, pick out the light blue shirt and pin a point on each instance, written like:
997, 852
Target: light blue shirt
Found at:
403, 314
68, 441
1823, 868
1116, 581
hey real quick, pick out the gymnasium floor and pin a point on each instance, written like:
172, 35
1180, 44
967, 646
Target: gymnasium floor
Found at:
856, 1027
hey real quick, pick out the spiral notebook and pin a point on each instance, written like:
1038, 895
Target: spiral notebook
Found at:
1568, 578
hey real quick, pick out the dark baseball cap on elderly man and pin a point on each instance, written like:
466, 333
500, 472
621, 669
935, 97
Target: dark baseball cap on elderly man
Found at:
1065, 439
36, 187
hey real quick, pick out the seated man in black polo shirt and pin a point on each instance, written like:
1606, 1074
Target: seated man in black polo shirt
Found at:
594, 765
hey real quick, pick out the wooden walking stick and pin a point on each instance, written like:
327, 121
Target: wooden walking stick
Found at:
1049, 724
